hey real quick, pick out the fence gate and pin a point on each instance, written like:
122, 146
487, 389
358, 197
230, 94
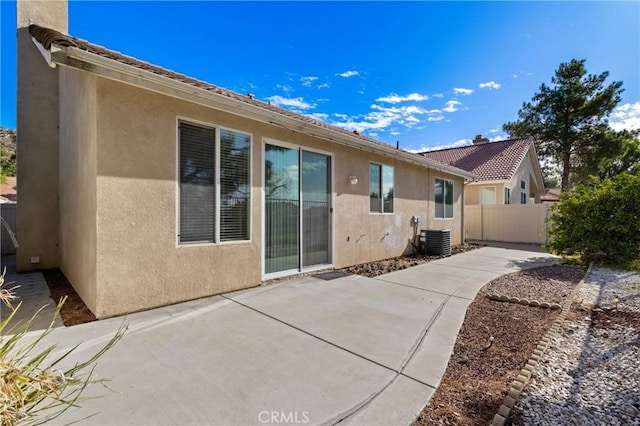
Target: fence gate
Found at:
515, 223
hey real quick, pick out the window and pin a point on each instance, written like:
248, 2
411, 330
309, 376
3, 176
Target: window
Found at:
380, 188
214, 195
444, 198
523, 192
507, 195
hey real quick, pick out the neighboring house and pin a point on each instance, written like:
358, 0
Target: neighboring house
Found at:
148, 187
551, 195
508, 171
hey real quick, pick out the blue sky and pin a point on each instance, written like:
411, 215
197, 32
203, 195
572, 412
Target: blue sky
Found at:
427, 74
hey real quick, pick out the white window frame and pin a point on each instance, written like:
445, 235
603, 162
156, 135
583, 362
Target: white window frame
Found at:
382, 182
332, 235
217, 129
444, 199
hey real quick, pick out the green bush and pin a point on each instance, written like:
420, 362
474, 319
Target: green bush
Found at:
600, 221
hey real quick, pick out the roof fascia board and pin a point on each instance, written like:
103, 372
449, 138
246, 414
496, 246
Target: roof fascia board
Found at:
489, 182
536, 165
46, 54
114, 70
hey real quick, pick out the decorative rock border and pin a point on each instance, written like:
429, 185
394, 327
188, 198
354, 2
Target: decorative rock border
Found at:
532, 364
523, 301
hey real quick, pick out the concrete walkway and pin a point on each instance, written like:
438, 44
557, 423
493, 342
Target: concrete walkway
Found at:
32, 290
305, 351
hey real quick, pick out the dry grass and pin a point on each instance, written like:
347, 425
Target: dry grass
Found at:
34, 389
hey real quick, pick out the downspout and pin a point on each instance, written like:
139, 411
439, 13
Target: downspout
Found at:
464, 228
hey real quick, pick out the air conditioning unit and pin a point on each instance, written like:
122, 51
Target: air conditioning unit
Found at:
436, 242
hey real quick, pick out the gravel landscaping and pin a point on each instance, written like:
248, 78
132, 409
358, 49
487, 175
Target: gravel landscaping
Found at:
590, 373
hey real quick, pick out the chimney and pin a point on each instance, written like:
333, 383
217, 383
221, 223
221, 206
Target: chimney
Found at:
479, 140
38, 138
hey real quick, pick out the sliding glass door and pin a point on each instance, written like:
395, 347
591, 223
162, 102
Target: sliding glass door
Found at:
297, 201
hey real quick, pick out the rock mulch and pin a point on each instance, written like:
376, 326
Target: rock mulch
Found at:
374, 269
590, 373
552, 284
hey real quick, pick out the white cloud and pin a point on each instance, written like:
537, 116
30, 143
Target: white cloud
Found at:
403, 110
307, 81
297, 103
395, 99
626, 117
323, 86
451, 106
394, 133
495, 130
514, 75
286, 89
350, 73
456, 144
490, 85
438, 95
462, 91
382, 118
319, 116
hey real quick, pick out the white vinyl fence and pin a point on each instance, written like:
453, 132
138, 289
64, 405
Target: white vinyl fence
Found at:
515, 223
8, 213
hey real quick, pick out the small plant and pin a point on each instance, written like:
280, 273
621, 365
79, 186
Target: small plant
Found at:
33, 389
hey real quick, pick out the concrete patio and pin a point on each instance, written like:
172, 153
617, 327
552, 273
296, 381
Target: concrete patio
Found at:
357, 350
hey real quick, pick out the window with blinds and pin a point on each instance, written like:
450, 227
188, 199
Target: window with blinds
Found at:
234, 186
214, 195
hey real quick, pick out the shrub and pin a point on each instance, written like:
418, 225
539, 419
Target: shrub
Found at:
599, 221
34, 389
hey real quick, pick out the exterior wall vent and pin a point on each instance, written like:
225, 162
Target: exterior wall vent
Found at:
436, 242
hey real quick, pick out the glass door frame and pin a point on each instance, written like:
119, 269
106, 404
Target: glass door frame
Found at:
301, 269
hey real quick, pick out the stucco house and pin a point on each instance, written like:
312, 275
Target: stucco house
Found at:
147, 187
508, 171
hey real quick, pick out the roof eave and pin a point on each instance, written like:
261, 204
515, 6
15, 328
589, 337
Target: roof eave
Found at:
114, 70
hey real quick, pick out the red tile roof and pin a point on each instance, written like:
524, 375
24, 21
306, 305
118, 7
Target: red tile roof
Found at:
490, 161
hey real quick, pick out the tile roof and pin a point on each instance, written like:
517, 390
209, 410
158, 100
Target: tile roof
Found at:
490, 161
46, 37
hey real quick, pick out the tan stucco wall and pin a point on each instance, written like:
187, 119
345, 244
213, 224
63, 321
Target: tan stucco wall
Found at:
37, 123
140, 265
78, 155
527, 173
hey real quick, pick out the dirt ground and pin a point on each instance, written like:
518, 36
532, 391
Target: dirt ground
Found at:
74, 311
